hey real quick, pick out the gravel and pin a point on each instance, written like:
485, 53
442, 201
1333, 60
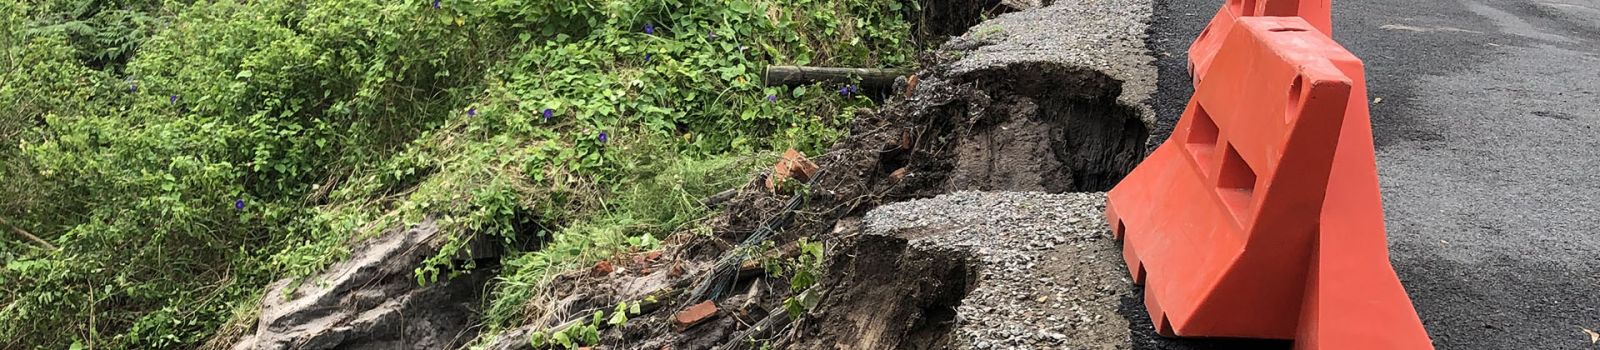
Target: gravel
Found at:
1050, 276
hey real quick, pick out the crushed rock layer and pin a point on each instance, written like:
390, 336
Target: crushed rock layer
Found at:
1049, 274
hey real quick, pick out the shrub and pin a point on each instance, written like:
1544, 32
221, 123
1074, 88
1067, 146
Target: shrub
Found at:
183, 155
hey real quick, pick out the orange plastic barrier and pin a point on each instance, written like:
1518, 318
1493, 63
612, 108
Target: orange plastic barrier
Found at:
1261, 217
1318, 12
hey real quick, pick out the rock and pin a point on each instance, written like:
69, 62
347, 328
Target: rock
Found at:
694, 315
372, 301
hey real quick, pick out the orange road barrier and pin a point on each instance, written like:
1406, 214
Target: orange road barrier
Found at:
1318, 12
1261, 217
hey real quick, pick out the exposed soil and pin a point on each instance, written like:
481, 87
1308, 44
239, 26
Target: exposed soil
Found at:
1047, 127
886, 294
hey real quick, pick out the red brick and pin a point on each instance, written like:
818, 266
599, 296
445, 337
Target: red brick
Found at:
794, 165
694, 315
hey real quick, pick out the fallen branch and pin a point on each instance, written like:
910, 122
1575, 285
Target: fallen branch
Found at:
35, 239
749, 338
716, 200
875, 78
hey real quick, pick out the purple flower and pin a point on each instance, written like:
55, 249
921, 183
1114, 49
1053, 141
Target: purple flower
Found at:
238, 204
848, 90
772, 98
649, 28
436, 4
603, 137
711, 35
647, 58
133, 87
548, 113
472, 112
173, 99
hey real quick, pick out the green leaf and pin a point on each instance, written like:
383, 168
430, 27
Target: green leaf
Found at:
565, 341
617, 318
537, 339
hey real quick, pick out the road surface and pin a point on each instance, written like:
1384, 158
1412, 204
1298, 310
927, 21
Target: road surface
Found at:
1488, 148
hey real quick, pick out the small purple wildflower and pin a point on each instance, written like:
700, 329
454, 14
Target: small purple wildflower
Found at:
649, 28
603, 137
855, 89
772, 98
472, 112
238, 204
647, 58
844, 91
173, 99
133, 87
712, 35
436, 4
548, 113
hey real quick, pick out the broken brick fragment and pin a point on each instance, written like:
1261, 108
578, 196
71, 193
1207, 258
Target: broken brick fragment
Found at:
647, 257
603, 268
911, 86
694, 315
793, 165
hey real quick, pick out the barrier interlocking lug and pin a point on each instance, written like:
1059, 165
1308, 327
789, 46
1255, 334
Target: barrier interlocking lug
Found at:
1317, 12
1261, 217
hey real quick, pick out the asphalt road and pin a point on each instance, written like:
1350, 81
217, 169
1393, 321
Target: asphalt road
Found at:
1488, 146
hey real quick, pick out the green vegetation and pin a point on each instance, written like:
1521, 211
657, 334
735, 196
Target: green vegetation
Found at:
173, 157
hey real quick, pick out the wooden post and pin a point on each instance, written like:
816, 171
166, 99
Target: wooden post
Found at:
871, 78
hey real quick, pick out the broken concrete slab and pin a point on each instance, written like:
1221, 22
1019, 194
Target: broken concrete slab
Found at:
1047, 274
1105, 36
